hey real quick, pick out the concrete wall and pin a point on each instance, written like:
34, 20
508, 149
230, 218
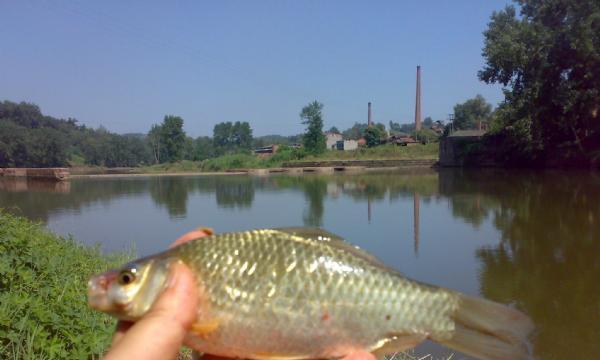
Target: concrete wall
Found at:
452, 149
332, 139
41, 173
350, 144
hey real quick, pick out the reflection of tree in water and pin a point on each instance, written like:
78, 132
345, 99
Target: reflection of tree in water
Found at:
36, 199
548, 260
315, 190
171, 192
235, 191
369, 188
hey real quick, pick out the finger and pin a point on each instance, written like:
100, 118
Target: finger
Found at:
160, 333
360, 355
192, 235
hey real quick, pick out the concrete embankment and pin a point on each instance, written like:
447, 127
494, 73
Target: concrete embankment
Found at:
362, 163
57, 174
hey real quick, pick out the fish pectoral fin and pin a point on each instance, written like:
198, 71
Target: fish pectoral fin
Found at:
206, 327
397, 343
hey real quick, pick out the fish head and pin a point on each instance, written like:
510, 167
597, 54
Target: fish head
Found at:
127, 293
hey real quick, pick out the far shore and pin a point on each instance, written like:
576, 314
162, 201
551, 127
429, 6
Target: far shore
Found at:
257, 172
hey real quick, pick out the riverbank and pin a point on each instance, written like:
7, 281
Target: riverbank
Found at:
43, 305
378, 157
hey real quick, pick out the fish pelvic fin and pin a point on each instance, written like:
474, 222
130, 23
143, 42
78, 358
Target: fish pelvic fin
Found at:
397, 343
204, 328
489, 331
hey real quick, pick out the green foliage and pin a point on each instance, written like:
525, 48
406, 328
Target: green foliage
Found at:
547, 60
355, 132
30, 139
231, 161
469, 114
43, 306
427, 122
203, 148
425, 135
173, 138
333, 130
31, 147
401, 128
231, 137
312, 117
276, 139
373, 136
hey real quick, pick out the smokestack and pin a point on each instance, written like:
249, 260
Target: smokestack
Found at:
418, 101
369, 121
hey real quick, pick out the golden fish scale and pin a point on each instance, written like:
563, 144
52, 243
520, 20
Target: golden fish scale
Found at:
278, 295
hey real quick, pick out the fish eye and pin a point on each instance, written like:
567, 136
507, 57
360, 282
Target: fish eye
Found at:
126, 277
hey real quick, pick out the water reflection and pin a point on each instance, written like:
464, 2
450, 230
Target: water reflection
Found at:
537, 248
547, 261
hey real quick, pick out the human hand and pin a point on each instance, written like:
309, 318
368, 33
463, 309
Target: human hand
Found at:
161, 332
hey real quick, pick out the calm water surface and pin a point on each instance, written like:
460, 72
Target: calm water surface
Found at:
528, 239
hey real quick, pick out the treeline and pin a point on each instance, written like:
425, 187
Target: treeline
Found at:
30, 139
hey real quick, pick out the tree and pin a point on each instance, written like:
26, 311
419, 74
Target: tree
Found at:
333, 130
313, 139
547, 59
154, 137
471, 113
232, 137
428, 121
203, 148
373, 136
172, 138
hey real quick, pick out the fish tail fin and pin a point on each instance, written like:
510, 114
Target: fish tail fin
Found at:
489, 331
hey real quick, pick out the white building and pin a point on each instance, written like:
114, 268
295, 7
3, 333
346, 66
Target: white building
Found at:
332, 140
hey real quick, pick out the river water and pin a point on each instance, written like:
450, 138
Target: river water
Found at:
529, 239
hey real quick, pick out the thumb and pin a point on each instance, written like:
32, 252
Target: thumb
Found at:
159, 334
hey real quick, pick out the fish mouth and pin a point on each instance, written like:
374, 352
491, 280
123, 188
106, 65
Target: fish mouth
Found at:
97, 291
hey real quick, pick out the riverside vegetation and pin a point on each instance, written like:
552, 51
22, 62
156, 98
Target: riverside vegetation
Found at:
43, 306
287, 154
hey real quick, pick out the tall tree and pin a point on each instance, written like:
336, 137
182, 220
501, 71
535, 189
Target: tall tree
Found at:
313, 139
548, 60
469, 114
173, 138
154, 137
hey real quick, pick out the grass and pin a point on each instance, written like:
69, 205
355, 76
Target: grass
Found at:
43, 306
249, 161
389, 151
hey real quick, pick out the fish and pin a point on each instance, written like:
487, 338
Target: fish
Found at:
304, 293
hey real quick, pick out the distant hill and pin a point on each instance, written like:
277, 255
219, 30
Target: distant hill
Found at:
29, 138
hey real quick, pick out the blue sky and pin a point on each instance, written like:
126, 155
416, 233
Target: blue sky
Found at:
125, 64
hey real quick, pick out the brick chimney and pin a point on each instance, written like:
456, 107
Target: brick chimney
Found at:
418, 101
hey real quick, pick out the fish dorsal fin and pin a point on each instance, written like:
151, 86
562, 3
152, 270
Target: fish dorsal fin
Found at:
335, 241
